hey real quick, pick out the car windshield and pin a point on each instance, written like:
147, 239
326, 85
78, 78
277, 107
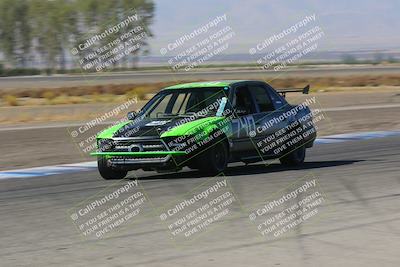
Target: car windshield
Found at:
186, 102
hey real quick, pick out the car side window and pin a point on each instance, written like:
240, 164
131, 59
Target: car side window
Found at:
244, 104
278, 100
262, 98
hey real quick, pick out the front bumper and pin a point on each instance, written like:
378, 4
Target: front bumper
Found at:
142, 159
133, 153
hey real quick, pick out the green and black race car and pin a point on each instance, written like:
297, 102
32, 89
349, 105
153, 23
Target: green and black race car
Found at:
205, 126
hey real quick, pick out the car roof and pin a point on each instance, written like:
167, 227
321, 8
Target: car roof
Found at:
209, 84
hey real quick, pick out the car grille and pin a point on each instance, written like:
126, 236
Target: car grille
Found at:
138, 146
123, 160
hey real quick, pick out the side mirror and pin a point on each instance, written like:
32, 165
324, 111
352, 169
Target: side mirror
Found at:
131, 115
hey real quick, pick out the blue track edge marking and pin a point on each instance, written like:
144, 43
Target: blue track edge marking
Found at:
92, 166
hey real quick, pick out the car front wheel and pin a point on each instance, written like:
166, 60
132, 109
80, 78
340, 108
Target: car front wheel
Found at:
215, 159
109, 173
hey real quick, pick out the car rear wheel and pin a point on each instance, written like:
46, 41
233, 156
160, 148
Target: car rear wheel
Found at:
215, 159
295, 157
109, 173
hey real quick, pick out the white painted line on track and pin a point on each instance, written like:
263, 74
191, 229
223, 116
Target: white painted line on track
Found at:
60, 125
92, 165
49, 170
339, 138
362, 107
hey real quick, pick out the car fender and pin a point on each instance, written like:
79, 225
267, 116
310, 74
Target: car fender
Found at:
202, 128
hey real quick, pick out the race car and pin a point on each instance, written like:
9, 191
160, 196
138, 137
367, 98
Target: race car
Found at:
205, 126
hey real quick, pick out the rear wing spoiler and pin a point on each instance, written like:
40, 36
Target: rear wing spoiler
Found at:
283, 91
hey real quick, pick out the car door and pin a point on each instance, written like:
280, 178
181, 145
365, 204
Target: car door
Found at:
293, 121
243, 123
269, 119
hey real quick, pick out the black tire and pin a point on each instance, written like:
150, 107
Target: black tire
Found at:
295, 157
192, 164
108, 173
215, 159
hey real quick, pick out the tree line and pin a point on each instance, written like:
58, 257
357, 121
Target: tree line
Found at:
44, 31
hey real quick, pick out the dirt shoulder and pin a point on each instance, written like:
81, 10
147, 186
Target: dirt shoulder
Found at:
79, 113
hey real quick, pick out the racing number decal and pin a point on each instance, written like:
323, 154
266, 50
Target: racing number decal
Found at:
247, 123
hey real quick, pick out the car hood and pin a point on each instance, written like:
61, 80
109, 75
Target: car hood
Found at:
167, 127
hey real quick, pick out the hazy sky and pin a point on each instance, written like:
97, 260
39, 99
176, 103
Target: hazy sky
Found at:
347, 24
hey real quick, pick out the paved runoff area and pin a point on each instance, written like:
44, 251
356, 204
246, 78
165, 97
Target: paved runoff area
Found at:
340, 208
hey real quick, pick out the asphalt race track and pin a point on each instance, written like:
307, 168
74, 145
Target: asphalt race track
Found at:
359, 223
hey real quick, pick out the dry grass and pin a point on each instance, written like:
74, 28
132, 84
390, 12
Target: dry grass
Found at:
113, 93
10, 100
79, 95
112, 89
141, 92
351, 81
49, 95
